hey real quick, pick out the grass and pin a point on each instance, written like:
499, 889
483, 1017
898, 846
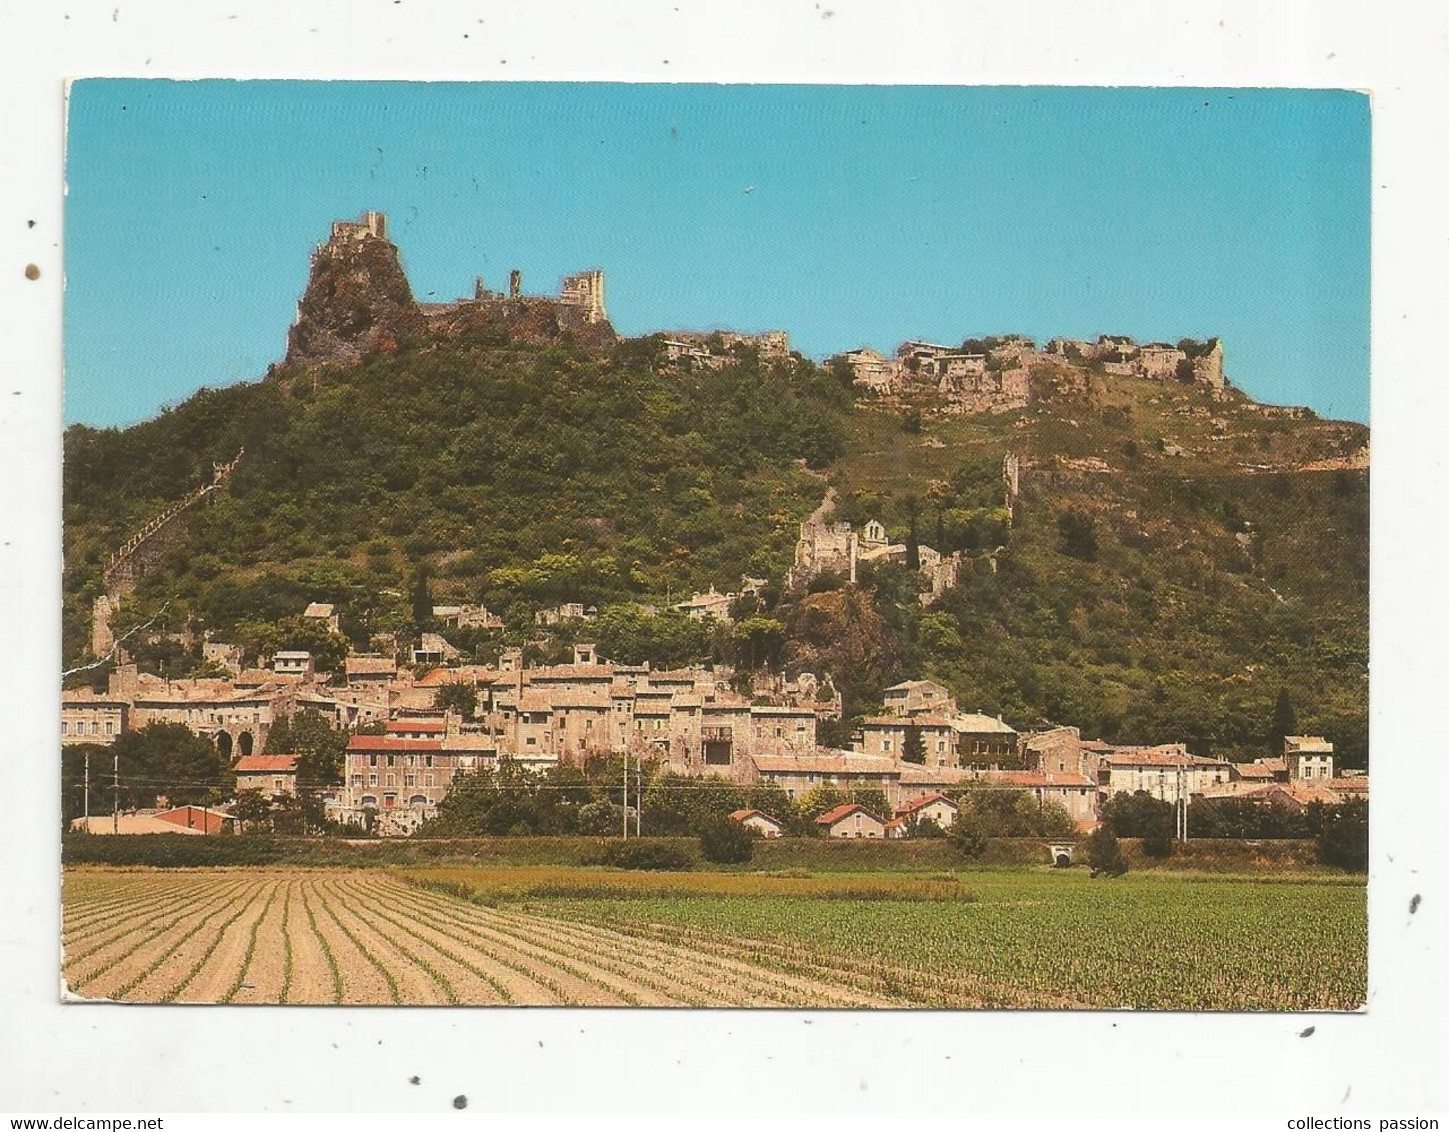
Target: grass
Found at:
491, 886
1044, 937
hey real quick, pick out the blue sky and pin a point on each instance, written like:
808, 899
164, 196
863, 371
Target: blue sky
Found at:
844, 215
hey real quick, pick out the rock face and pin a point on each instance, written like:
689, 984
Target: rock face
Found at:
536, 321
357, 300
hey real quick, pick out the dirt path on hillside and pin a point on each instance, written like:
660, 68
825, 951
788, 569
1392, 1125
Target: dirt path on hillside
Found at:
827, 505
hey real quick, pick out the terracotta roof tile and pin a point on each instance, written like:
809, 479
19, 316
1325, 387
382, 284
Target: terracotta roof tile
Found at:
273, 764
840, 812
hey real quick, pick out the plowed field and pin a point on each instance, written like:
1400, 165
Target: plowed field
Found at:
352, 936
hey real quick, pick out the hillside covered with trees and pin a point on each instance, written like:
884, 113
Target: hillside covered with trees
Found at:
1174, 563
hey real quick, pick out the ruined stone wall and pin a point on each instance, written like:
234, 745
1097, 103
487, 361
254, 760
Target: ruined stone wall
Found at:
585, 291
1208, 368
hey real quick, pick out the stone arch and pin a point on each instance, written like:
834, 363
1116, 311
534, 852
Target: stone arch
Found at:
223, 745
244, 743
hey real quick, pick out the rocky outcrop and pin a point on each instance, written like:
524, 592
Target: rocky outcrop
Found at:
535, 321
357, 301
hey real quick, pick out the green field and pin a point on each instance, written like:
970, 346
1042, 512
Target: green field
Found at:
1008, 937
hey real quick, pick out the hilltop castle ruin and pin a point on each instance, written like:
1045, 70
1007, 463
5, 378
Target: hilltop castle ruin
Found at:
358, 301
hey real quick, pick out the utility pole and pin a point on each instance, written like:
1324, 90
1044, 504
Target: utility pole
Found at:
87, 803
626, 797
638, 797
116, 793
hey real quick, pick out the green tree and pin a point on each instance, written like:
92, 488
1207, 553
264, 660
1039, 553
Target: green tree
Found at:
968, 836
600, 819
1078, 531
252, 808
422, 598
758, 641
873, 800
168, 759
1285, 721
1138, 814
725, 841
770, 798
460, 696
816, 801
1344, 842
1104, 855
914, 748
73, 781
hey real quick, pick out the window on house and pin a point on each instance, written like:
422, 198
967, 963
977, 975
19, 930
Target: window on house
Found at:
410, 780
391, 760
372, 780
64, 727
531, 741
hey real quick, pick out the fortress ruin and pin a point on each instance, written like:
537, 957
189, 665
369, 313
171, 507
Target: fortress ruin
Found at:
993, 375
358, 300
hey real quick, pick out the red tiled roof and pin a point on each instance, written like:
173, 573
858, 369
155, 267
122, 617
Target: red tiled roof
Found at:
573, 672
1155, 757
370, 664
430, 726
1038, 778
844, 811
908, 808
1253, 770
256, 764
391, 743
465, 674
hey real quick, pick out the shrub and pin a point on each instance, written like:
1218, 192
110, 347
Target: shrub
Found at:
645, 855
600, 818
1344, 841
967, 837
725, 842
1157, 844
927, 827
1104, 855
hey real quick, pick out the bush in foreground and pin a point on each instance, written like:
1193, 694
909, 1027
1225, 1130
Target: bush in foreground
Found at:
645, 855
967, 837
1344, 840
726, 842
1104, 855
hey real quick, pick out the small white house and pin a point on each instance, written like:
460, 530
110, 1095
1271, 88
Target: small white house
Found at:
758, 822
851, 821
933, 807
